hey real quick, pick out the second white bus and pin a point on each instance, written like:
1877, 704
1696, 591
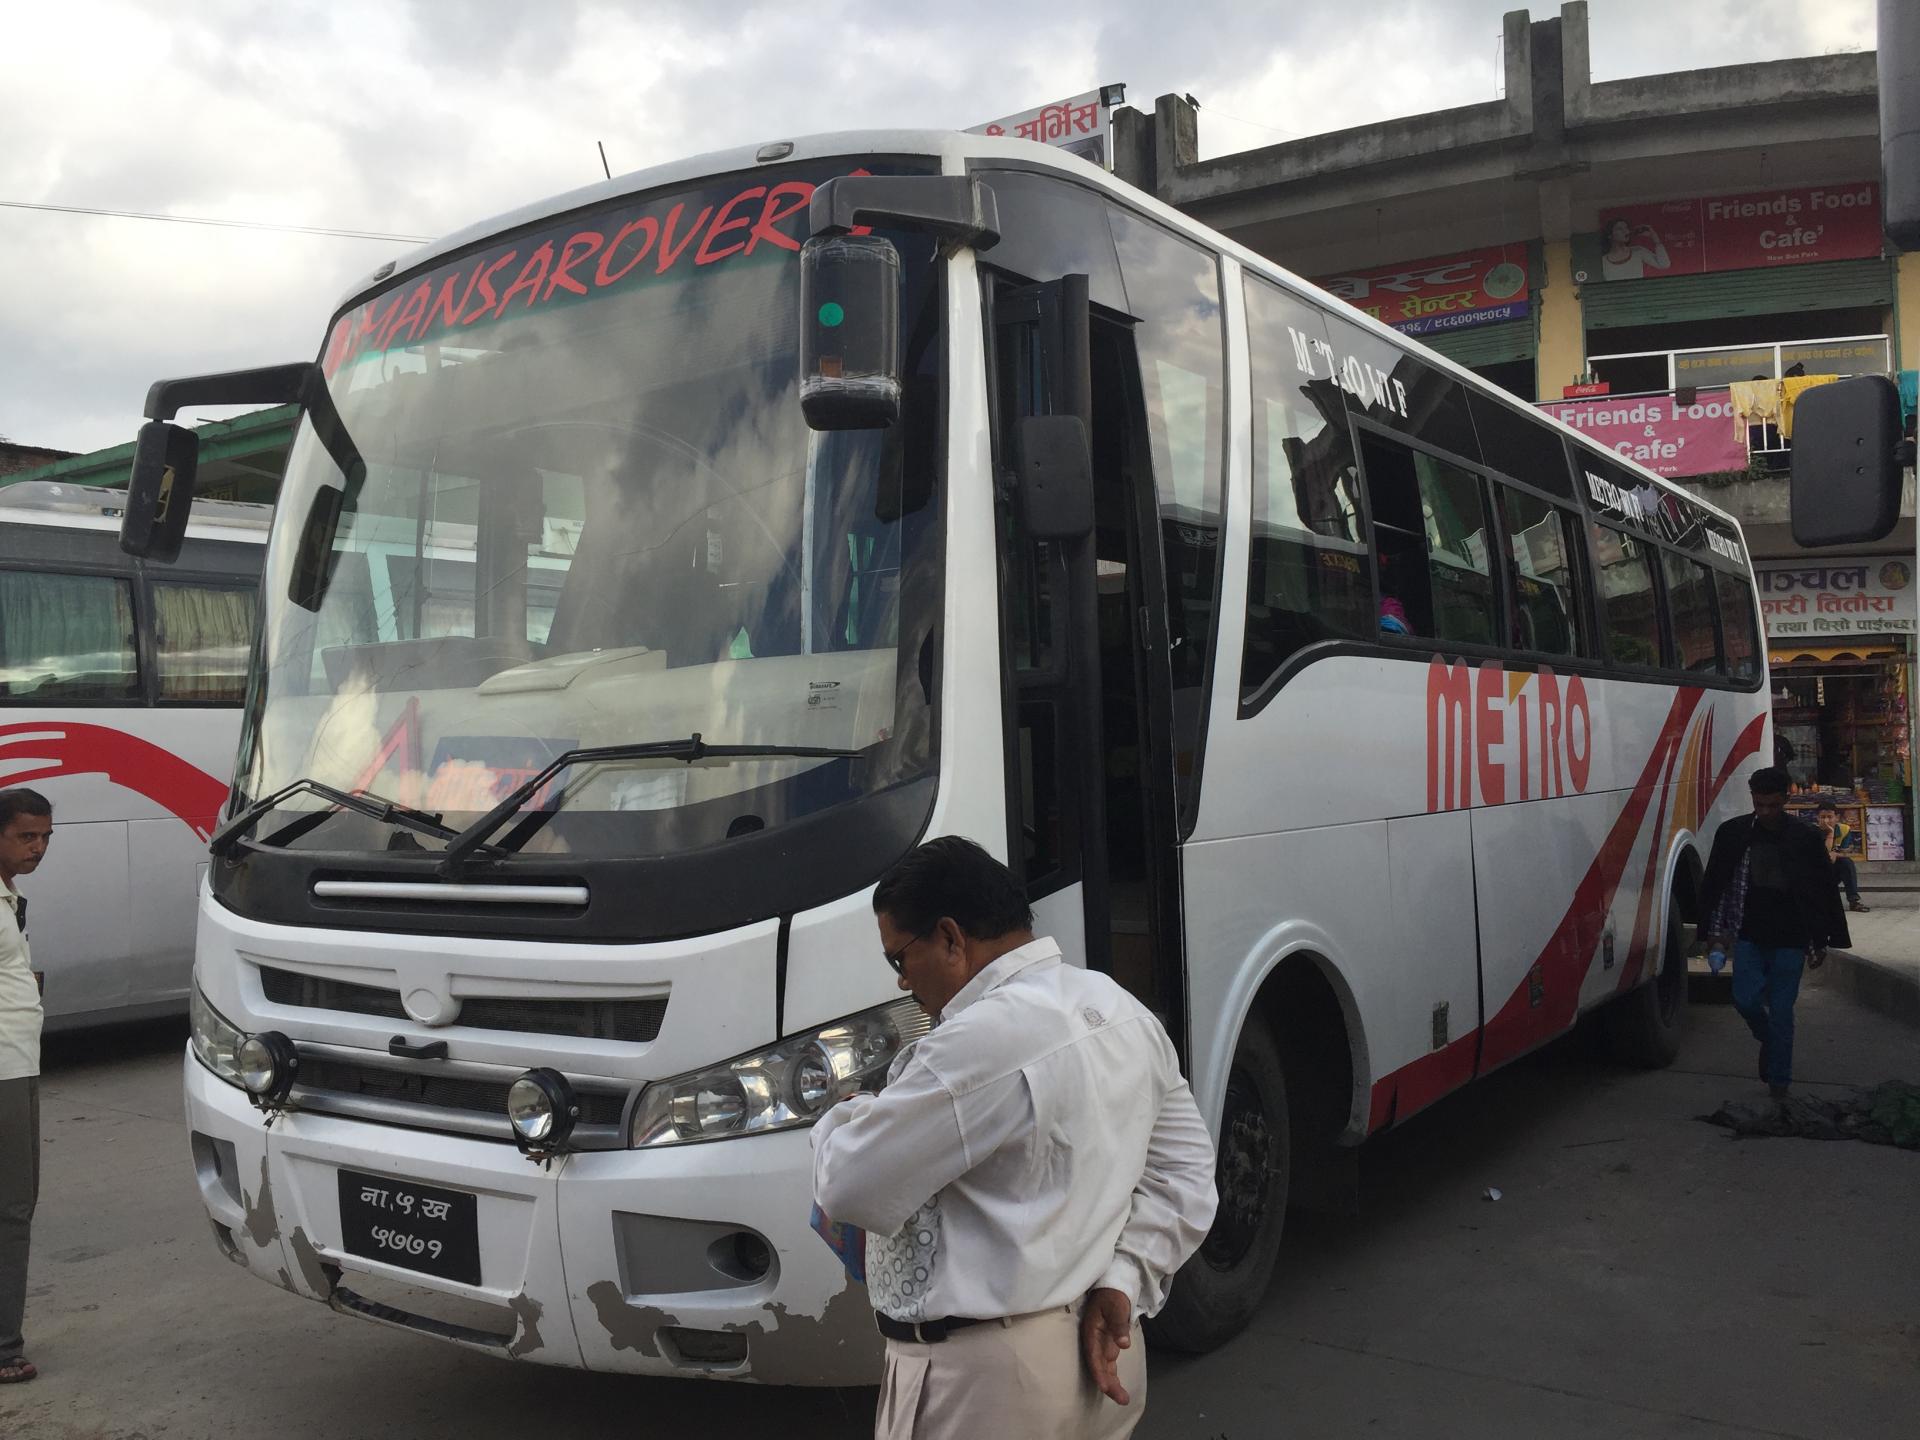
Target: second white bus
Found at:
120, 696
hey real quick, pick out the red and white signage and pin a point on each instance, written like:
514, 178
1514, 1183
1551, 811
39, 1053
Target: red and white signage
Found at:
1078, 126
1449, 292
1737, 232
1660, 433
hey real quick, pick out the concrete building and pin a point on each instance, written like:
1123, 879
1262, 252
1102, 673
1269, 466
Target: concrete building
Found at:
17, 459
1694, 245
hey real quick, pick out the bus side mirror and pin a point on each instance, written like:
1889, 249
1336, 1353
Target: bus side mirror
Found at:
1053, 469
849, 332
1847, 460
160, 491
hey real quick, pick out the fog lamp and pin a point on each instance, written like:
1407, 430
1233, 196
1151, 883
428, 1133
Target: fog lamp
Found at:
268, 1065
542, 1109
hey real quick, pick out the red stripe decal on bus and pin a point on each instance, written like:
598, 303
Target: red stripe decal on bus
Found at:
1569, 954
65, 748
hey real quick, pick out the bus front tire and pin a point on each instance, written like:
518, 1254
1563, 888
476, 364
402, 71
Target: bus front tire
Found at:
1217, 1291
1644, 1026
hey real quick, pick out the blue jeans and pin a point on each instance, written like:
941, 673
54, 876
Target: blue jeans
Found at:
1849, 877
1765, 985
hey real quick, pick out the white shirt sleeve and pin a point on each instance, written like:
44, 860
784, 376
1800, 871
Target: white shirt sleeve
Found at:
879, 1158
1173, 1205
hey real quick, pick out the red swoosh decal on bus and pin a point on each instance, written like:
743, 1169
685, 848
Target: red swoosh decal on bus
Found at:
1520, 1026
65, 748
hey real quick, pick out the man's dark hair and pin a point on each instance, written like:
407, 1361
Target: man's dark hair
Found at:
22, 801
1826, 805
1770, 781
953, 878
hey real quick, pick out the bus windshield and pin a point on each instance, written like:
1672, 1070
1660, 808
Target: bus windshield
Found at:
581, 508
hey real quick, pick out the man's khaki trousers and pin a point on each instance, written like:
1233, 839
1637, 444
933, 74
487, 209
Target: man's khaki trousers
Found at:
1020, 1379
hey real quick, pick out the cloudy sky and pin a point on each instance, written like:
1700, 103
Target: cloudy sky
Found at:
414, 117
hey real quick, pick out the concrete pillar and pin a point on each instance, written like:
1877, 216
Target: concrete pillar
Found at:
1563, 341
1176, 141
1906, 311
1132, 141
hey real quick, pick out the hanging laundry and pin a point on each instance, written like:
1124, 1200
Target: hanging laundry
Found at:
1791, 389
1909, 382
1755, 402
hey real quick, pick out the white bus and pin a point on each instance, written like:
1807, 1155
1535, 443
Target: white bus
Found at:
120, 697
1368, 725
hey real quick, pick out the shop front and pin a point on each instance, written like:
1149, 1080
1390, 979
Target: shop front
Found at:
1702, 295
1840, 640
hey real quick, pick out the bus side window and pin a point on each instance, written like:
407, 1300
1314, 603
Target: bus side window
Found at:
1521, 446
1739, 650
66, 638
203, 635
1542, 540
1173, 291
1629, 607
1690, 606
1309, 573
1430, 539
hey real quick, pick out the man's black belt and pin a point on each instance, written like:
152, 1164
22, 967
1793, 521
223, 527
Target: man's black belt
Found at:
924, 1332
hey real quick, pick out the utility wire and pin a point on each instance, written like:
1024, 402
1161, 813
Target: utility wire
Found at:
221, 224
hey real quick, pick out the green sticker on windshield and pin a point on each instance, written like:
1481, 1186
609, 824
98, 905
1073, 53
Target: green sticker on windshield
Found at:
831, 314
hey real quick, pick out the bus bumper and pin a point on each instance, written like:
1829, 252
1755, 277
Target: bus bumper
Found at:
615, 1261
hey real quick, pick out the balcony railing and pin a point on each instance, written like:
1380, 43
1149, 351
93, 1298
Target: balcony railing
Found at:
1708, 367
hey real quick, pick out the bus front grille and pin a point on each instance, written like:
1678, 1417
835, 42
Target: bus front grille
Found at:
632, 1022
422, 1092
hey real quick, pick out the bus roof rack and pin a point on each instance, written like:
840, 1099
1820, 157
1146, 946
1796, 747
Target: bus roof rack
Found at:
56, 497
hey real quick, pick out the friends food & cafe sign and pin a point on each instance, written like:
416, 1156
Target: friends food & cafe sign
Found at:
1657, 431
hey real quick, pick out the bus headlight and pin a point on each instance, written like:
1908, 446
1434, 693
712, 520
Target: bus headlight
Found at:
541, 1108
268, 1064
216, 1043
781, 1087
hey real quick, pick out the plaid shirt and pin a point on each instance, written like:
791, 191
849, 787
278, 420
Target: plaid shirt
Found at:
1732, 910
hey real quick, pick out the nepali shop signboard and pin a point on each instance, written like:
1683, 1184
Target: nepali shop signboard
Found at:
1657, 431
1733, 232
1860, 595
1079, 126
1450, 292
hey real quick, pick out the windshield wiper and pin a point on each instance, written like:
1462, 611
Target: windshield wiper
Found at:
361, 802
690, 749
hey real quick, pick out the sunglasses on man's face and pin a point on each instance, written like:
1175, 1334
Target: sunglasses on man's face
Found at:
898, 958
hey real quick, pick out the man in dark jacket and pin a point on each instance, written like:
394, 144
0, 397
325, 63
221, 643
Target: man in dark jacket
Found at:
1770, 896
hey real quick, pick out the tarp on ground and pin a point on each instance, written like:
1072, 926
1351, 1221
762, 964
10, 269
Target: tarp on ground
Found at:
1888, 1114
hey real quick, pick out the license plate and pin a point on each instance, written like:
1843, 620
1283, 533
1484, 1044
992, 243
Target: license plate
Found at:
418, 1227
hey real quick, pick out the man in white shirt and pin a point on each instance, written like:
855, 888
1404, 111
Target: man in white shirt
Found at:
1030, 1179
26, 827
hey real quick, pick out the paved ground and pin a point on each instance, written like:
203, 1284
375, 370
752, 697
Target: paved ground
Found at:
1643, 1275
1882, 969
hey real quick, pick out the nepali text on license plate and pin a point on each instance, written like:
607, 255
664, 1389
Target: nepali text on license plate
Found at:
419, 1227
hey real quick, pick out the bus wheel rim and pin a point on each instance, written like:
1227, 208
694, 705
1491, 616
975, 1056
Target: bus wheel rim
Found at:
1247, 1159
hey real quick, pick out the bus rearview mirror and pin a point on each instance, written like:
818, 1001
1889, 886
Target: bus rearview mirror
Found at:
1847, 461
160, 491
1053, 468
849, 332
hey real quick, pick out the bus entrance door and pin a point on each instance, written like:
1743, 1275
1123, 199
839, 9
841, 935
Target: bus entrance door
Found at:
1090, 796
